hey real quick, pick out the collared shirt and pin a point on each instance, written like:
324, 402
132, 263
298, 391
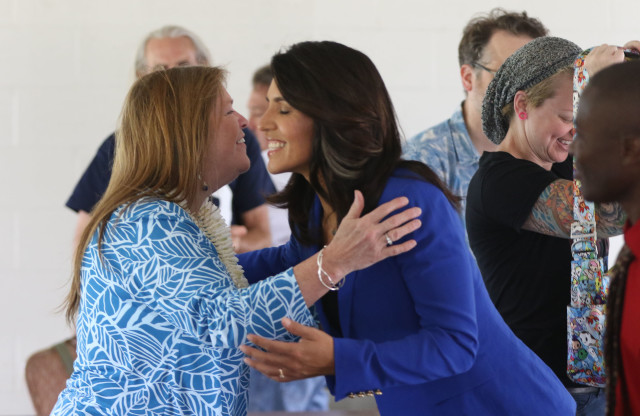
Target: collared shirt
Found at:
447, 149
629, 334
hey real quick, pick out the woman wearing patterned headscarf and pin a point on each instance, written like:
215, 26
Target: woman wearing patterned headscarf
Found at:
520, 201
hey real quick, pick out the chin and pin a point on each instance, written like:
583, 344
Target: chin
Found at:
590, 195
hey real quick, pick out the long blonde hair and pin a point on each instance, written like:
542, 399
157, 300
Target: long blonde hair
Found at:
160, 146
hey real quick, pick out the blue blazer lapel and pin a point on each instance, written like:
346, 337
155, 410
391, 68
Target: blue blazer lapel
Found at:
345, 295
346, 291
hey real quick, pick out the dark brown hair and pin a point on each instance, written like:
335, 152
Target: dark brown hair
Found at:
356, 139
478, 32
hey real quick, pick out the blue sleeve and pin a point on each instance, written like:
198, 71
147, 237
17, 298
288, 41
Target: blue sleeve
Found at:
251, 187
270, 261
169, 265
439, 274
95, 179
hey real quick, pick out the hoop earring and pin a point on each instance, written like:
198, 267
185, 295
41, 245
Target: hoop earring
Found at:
522, 116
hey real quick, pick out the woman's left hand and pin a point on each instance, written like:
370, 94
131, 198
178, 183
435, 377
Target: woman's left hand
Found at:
311, 356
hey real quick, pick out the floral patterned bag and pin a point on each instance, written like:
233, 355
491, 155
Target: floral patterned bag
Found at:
589, 282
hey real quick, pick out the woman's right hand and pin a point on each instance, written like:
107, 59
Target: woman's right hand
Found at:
605, 55
362, 241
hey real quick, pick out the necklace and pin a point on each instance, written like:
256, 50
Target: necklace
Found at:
209, 220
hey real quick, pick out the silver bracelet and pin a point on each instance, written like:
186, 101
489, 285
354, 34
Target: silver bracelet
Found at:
331, 286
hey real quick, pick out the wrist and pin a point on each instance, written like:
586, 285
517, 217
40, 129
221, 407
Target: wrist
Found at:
332, 265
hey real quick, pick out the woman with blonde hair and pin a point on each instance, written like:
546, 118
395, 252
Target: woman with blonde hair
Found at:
161, 302
520, 201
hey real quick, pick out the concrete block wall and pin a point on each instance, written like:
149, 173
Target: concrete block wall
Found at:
67, 64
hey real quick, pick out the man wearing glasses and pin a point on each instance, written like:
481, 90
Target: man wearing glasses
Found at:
452, 148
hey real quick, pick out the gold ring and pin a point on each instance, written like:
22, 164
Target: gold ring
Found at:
281, 373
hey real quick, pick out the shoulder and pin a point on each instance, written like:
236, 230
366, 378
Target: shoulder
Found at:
434, 139
504, 167
420, 192
149, 208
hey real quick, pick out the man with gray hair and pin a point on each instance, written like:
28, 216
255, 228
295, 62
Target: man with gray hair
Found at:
453, 148
243, 204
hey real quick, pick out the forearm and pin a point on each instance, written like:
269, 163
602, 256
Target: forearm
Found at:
610, 219
552, 214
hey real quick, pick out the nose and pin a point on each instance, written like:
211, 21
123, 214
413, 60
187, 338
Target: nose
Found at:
265, 123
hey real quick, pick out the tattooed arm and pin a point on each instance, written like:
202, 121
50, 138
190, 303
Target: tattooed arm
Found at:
552, 214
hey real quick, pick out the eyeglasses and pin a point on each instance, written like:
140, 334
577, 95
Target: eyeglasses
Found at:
478, 65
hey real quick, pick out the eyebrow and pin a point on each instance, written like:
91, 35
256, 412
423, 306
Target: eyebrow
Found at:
278, 99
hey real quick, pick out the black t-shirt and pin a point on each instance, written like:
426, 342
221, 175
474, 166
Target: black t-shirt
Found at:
527, 274
249, 189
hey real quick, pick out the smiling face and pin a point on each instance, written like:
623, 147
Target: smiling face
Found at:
226, 155
548, 128
289, 135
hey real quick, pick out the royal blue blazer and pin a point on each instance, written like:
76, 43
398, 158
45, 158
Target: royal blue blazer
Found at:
420, 327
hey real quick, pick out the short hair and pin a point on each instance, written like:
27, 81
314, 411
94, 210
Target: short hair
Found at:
171, 31
160, 147
618, 86
262, 76
478, 32
540, 92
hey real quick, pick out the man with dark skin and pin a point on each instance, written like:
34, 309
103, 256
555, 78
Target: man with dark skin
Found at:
607, 151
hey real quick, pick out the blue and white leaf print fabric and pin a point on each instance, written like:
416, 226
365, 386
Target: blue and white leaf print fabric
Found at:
160, 320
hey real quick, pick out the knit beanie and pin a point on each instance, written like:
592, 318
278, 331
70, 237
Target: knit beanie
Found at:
529, 65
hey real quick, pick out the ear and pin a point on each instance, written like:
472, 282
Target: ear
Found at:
520, 102
467, 76
631, 150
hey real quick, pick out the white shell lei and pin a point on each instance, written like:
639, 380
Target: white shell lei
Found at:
213, 226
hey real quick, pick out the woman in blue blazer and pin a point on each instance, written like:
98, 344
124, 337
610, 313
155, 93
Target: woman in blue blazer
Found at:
418, 330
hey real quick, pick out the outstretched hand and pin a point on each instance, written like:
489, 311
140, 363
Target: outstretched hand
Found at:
362, 241
281, 361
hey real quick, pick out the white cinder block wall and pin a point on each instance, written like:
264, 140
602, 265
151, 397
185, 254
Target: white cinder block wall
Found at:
67, 64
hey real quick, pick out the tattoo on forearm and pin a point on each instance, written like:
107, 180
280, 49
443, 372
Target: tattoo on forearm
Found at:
552, 214
610, 219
